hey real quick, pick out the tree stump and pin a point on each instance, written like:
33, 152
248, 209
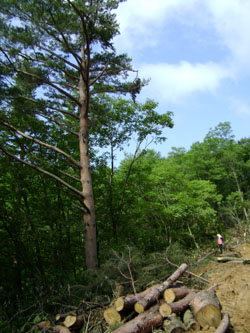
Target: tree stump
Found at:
206, 308
173, 324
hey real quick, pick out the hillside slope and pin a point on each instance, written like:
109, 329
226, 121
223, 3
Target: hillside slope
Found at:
234, 288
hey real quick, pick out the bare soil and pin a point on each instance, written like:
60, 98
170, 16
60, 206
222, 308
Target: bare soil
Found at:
233, 289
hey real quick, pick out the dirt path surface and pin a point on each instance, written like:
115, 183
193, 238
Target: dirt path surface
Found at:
234, 289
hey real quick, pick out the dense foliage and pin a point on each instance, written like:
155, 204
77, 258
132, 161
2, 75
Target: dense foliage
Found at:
185, 199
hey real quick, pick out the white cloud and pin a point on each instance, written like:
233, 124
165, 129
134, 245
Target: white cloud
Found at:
174, 82
139, 19
231, 19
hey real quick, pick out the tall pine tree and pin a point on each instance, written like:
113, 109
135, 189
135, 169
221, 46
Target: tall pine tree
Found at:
54, 56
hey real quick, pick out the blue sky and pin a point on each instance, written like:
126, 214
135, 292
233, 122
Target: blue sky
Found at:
197, 55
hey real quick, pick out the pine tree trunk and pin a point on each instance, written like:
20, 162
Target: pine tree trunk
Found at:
85, 174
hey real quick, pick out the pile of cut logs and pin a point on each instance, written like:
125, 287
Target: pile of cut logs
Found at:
172, 309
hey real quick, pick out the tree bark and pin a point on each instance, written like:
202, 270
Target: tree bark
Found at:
143, 323
206, 308
85, 174
60, 329
155, 292
176, 307
124, 303
233, 260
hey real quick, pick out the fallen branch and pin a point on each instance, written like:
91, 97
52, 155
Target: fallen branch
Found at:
190, 273
224, 324
155, 292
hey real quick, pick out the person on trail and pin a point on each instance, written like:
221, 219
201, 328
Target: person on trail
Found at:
220, 242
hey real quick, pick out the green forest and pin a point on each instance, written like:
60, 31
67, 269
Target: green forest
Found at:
73, 223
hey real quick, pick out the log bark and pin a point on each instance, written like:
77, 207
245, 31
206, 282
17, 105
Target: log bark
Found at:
43, 325
176, 307
206, 308
112, 316
173, 324
171, 295
155, 292
124, 303
189, 321
231, 254
224, 324
143, 323
233, 260
225, 259
60, 329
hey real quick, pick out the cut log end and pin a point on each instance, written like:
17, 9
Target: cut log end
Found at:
69, 321
173, 294
209, 315
169, 295
112, 316
58, 316
206, 308
165, 310
139, 308
119, 304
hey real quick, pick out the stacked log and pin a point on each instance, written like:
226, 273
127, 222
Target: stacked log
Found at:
171, 308
68, 323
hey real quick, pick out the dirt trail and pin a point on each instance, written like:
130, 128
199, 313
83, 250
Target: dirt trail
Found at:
234, 289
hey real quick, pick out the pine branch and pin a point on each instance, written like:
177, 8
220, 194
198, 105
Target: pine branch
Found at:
99, 75
46, 173
41, 143
50, 107
59, 57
